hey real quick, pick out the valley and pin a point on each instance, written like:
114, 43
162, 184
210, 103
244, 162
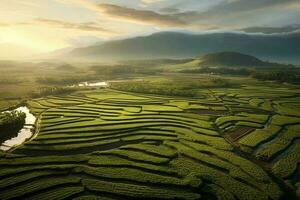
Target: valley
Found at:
238, 141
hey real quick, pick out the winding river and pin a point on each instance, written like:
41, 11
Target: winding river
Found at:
25, 133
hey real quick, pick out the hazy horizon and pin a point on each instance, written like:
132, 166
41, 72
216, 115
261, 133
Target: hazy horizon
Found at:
36, 27
150, 99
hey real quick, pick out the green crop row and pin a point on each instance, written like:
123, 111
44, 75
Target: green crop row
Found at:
280, 143
137, 156
239, 189
135, 175
287, 165
116, 161
19, 178
285, 120
156, 150
259, 136
139, 191
35, 186
63, 192
242, 117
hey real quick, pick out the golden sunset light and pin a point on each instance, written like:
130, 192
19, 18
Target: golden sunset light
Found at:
149, 99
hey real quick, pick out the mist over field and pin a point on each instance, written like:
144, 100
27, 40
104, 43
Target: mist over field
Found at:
150, 99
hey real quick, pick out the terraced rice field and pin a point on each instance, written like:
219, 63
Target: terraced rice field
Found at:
106, 144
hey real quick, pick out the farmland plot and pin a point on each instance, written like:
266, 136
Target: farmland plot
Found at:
117, 145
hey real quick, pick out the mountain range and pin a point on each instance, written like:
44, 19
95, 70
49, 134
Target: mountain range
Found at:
276, 47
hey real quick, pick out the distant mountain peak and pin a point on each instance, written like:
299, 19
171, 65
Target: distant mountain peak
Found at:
171, 45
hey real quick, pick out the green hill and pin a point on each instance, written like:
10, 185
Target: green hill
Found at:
231, 59
225, 60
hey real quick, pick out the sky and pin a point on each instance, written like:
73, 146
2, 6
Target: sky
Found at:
48, 25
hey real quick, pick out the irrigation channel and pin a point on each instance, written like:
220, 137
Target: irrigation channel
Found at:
24, 134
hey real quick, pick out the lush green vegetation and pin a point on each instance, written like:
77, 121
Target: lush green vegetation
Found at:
10, 124
45, 91
174, 87
220, 70
174, 136
137, 145
282, 75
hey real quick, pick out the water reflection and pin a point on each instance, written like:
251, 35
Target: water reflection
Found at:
24, 134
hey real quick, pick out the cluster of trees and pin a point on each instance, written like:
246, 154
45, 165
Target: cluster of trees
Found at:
288, 76
65, 67
116, 70
176, 87
46, 91
146, 87
10, 124
62, 80
10, 80
220, 70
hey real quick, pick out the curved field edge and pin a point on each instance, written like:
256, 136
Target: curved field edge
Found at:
134, 147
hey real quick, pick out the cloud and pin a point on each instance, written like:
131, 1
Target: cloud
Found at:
79, 3
235, 13
151, 1
239, 6
141, 16
88, 26
169, 10
271, 30
224, 14
294, 6
13, 24
4, 24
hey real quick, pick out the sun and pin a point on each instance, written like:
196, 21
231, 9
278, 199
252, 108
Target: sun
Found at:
32, 39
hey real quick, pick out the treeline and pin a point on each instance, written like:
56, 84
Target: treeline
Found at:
289, 76
156, 62
148, 88
10, 124
62, 80
181, 87
116, 70
10, 80
46, 91
220, 70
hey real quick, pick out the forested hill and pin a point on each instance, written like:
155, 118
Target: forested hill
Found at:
235, 59
277, 47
